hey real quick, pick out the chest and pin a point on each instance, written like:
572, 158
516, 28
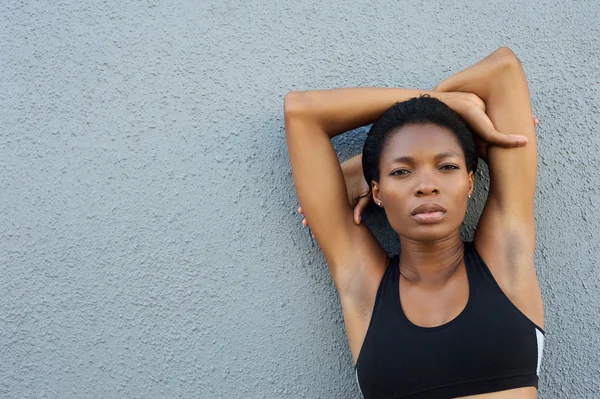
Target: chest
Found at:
470, 349
434, 304
475, 340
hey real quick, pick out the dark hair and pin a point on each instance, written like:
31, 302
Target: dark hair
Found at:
417, 110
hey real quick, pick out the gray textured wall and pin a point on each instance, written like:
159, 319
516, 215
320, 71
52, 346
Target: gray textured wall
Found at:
150, 246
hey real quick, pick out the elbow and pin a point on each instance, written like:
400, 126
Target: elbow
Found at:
293, 103
507, 58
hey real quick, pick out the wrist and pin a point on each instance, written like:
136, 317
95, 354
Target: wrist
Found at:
352, 166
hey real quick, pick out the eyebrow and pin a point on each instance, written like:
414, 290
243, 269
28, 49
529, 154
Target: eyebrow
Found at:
409, 159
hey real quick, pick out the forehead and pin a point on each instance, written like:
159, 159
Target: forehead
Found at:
420, 141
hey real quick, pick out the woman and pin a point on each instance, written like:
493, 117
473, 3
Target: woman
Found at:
444, 318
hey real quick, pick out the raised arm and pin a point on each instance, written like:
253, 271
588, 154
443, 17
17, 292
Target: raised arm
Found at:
336, 111
505, 235
355, 259
499, 80
312, 118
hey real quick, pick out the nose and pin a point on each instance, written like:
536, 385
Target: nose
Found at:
426, 185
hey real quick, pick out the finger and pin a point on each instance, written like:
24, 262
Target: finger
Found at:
515, 140
304, 222
300, 210
361, 206
483, 125
356, 215
504, 140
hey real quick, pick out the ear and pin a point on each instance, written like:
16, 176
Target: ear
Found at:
471, 182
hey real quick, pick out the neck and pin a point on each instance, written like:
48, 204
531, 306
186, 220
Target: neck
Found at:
431, 262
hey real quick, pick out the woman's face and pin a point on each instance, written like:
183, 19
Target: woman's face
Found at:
423, 184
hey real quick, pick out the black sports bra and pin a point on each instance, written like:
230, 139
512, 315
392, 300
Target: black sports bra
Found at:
490, 346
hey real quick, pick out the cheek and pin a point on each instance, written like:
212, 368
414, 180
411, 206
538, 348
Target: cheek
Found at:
459, 193
396, 202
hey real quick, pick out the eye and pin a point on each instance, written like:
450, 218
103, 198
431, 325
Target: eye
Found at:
449, 167
399, 172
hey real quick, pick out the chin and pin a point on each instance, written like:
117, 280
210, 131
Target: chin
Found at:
428, 236
429, 233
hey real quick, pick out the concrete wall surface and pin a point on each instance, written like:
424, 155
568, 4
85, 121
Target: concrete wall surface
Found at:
150, 245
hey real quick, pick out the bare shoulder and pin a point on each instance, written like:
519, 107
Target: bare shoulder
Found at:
505, 235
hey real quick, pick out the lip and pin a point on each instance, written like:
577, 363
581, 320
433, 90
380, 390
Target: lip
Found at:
426, 207
429, 217
428, 213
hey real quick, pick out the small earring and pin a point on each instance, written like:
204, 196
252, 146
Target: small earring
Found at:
380, 204
469, 196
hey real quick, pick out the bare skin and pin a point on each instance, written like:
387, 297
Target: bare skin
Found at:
493, 98
358, 188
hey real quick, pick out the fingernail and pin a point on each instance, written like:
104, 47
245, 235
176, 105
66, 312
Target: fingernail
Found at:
522, 140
